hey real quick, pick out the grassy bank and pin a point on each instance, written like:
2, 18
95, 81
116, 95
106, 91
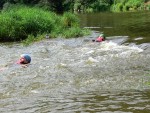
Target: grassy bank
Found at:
32, 24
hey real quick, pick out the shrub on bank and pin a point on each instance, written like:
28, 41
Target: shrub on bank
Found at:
127, 5
21, 23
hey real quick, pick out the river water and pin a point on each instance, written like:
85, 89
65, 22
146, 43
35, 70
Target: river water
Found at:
135, 25
77, 76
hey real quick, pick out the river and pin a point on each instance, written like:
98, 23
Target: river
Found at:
77, 75
135, 25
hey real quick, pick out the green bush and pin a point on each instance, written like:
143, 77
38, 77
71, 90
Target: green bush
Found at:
70, 20
117, 7
24, 22
89, 10
19, 23
126, 7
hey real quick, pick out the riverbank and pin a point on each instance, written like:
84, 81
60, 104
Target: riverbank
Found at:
32, 24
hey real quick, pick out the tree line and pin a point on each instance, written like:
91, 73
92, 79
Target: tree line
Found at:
60, 6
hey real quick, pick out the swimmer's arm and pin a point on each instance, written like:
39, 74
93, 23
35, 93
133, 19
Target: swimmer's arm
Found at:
24, 65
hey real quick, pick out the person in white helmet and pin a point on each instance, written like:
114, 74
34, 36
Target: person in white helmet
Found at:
100, 38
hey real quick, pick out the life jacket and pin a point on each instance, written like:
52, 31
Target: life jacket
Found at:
99, 39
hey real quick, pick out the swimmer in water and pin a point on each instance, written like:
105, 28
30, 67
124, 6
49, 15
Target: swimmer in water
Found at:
24, 59
100, 38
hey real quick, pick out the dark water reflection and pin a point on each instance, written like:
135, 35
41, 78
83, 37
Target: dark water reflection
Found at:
131, 24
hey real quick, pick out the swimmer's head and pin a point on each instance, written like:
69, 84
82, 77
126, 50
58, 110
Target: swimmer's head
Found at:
25, 59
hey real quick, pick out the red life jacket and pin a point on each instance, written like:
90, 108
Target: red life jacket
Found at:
99, 39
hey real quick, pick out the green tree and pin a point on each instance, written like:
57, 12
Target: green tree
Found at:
60, 6
57, 5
